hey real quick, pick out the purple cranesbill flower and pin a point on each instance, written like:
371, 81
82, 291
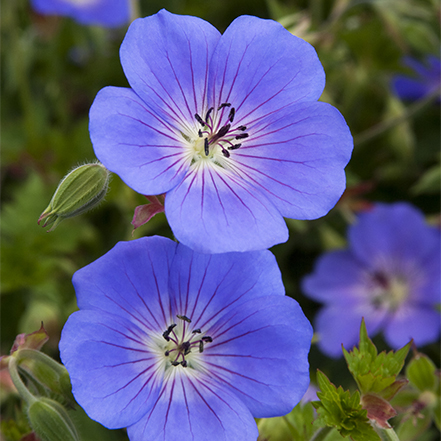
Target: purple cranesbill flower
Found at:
390, 275
425, 80
108, 13
178, 345
228, 126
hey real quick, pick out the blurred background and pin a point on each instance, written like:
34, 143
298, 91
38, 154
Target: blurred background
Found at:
51, 70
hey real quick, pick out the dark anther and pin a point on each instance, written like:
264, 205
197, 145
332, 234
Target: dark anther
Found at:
166, 334
242, 136
231, 115
200, 133
234, 147
183, 317
184, 363
196, 331
199, 120
225, 152
242, 128
186, 346
206, 147
201, 346
223, 105
223, 131
167, 353
175, 363
207, 339
208, 113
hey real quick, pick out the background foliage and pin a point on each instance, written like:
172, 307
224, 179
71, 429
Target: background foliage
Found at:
51, 70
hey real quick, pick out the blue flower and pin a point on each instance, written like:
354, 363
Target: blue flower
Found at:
228, 126
426, 78
390, 275
109, 13
184, 346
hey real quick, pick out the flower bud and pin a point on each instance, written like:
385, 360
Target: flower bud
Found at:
79, 191
50, 421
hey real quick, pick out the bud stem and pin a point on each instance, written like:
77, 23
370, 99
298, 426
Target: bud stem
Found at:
18, 382
32, 354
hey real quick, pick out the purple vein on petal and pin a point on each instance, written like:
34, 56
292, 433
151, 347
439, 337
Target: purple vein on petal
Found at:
203, 399
169, 401
132, 380
219, 198
167, 125
155, 129
196, 300
158, 291
142, 299
187, 408
265, 189
237, 336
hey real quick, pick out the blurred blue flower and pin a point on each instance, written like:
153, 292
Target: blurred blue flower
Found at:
228, 126
426, 78
390, 275
179, 345
108, 13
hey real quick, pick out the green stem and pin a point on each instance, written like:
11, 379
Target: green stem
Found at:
32, 354
388, 435
18, 383
134, 10
321, 434
384, 126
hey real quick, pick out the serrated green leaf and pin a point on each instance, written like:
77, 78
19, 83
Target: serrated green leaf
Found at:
374, 372
338, 408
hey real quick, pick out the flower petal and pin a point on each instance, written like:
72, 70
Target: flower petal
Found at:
134, 142
393, 232
411, 321
112, 371
296, 157
337, 279
215, 212
130, 281
260, 67
206, 286
195, 408
165, 58
260, 350
337, 327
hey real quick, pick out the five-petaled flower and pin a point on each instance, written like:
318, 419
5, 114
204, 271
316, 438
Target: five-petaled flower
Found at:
228, 126
108, 13
178, 345
390, 275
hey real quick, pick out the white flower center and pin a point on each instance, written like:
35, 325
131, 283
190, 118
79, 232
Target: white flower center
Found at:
182, 345
389, 291
215, 136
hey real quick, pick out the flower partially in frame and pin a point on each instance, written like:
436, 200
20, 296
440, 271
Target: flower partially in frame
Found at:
426, 78
107, 13
390, 275
228, 126
179, 345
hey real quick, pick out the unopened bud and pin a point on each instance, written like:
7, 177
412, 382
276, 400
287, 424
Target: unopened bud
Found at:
79, 191
50, 421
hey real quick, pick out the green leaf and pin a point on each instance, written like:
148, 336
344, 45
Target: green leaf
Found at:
429, 183
375, 372
296, 425
421, 372
338, 408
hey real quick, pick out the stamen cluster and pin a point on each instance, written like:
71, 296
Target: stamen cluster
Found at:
223, 136
183, 346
